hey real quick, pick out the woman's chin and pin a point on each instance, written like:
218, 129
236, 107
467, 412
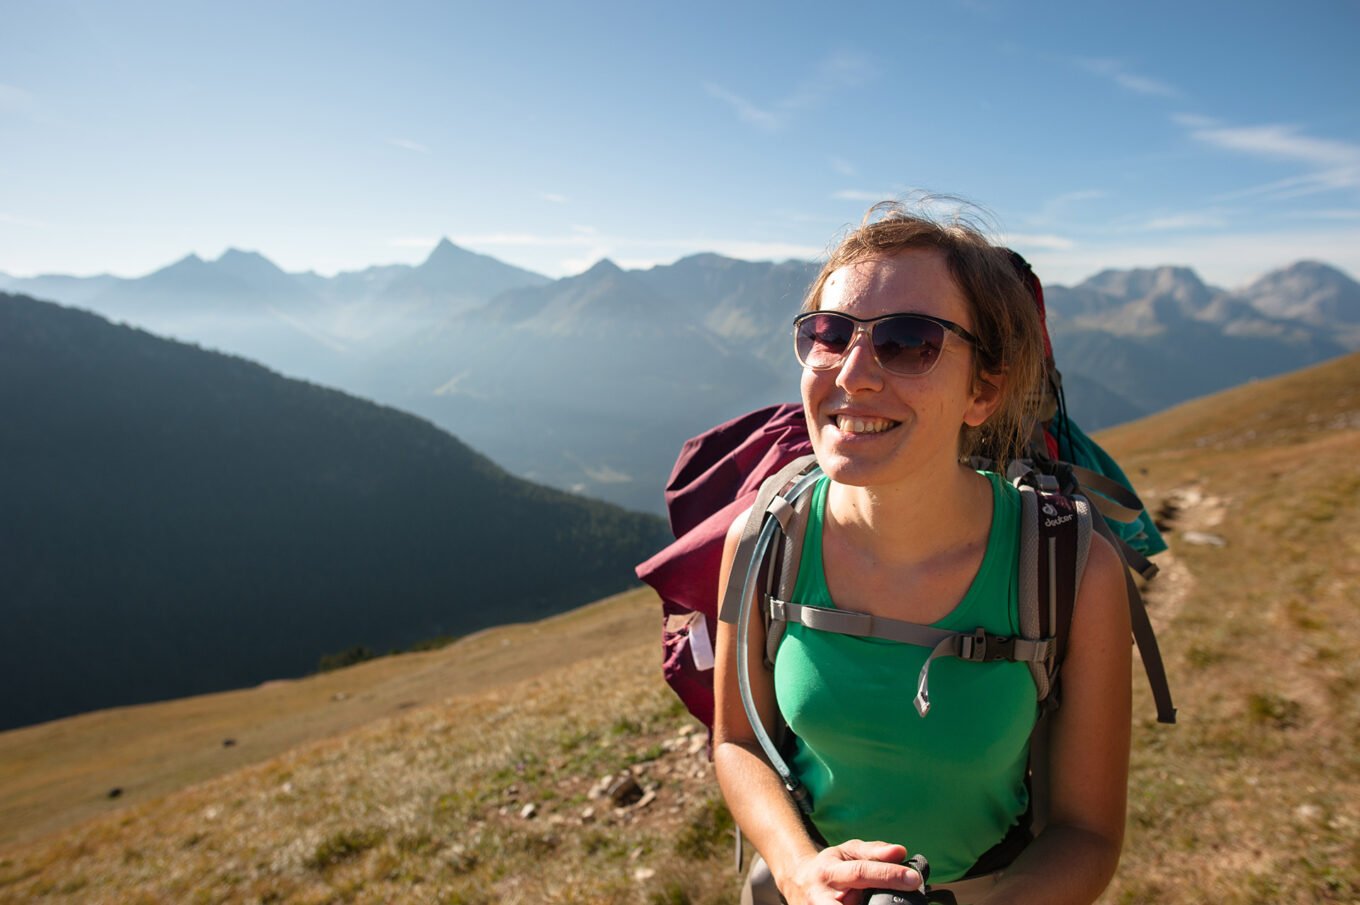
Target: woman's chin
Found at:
857, 459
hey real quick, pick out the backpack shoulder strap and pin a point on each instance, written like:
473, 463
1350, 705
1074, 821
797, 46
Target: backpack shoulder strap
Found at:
1055, 538
1146, 639
770, 499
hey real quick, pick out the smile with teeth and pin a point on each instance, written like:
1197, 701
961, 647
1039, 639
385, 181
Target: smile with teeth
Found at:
849, 424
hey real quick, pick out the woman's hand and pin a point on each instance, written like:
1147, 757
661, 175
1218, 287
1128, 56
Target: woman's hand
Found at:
840, 873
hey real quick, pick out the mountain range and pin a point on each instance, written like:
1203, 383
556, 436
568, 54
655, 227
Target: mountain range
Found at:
591, 382
180, 521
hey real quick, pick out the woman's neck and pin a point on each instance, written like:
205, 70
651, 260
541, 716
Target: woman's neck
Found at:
912, 520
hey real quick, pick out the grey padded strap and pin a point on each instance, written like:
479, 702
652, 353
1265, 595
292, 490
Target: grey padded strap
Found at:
1028, 603
783, 574
772, 487
861, 625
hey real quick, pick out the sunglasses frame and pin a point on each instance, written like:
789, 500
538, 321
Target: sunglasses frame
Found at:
865, 326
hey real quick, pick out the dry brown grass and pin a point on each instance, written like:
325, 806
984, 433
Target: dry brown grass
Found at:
57, 773
1254, 796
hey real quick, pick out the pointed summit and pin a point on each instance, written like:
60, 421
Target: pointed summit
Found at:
236, 255
603, 267
248, 264
190, 263
445, 253
453, 279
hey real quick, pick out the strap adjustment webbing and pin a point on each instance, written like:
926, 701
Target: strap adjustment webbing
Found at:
981, 647
977, 647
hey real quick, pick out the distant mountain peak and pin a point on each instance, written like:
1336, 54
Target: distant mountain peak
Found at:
447, 256
1310, 291
240, 254
1316, 270
603, 267
248, 263
445, 251
190, 263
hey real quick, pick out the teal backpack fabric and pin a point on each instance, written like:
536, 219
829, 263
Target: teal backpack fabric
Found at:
1075, 447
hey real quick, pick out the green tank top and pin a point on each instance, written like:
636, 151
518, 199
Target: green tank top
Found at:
948, 785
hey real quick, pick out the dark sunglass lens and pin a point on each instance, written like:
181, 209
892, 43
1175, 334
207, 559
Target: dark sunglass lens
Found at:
823, 338
907, 345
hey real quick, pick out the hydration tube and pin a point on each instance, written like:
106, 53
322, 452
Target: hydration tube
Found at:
767, 532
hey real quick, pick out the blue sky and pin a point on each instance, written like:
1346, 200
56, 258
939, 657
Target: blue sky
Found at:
332, 136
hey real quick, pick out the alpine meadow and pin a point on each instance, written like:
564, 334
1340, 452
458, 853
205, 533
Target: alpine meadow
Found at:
547, 762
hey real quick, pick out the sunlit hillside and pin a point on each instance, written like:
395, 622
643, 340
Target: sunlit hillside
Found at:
538, 764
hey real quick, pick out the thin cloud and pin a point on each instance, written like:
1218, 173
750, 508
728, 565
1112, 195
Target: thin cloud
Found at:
1281, 141
746, 111
1117, 72
554, 198
1188, 220
407, 145
1046, 242
842, 166
1332, 165
413, 242
832, 74
860, 195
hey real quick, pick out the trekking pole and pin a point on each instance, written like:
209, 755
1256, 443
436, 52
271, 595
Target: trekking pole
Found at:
901, 897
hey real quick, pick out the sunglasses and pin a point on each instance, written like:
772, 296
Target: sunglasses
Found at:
903, 344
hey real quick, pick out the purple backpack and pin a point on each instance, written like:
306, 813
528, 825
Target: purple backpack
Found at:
715, 478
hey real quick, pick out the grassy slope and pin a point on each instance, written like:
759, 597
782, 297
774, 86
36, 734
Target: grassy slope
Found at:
56, 773
1256, 789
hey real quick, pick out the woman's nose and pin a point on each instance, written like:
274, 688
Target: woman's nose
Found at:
859, 370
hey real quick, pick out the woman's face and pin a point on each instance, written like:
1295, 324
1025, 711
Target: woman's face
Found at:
870, 427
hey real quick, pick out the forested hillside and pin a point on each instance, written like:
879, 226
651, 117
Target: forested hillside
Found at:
180, 521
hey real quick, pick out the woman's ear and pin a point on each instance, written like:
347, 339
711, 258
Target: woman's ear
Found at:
986, 399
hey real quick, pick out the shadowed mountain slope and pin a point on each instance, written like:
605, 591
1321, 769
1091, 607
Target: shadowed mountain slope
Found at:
179, 521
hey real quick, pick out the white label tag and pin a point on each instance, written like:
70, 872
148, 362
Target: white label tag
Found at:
700, 646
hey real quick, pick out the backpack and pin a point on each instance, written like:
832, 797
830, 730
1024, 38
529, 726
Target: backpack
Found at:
719, 475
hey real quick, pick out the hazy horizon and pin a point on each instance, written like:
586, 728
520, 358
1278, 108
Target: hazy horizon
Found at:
331, 139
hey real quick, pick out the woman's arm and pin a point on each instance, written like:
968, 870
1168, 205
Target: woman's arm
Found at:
1074, 857
755, 794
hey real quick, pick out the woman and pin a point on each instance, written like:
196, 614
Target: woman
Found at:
900, 528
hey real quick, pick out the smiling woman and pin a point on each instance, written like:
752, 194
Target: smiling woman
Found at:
920, 346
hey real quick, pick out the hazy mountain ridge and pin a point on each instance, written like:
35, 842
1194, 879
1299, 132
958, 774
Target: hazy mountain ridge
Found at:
591, 382
181, 521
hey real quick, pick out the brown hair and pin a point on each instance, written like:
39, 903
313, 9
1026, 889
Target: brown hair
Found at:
1005, 316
